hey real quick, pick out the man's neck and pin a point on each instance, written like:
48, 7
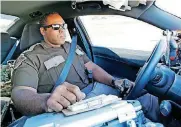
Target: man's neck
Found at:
52, 45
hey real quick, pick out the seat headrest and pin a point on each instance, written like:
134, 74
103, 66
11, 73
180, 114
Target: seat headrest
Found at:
30, 36
5, 37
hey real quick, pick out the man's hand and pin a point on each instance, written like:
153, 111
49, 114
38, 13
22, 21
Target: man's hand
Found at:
124, 85
63, 96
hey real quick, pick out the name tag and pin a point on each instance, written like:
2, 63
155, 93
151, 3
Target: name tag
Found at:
79, 52
53, 62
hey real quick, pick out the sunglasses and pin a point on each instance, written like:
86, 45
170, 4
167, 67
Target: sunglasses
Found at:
57, 26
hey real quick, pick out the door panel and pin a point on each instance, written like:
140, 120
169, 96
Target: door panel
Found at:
122, 65
119, 44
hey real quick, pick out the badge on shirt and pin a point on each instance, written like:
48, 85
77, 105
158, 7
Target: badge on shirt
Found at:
53, 62
79, 52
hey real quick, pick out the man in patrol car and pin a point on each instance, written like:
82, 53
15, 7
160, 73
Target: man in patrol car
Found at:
37, 70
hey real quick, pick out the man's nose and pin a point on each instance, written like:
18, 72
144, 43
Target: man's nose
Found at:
61, 30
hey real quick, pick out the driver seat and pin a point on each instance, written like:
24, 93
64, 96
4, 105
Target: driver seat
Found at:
30, 36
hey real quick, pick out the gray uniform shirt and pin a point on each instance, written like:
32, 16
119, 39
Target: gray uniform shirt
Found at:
40, 66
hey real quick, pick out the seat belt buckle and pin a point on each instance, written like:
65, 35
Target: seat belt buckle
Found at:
90, 75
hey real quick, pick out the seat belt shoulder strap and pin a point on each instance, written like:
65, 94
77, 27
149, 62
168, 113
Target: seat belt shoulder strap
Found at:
10, 54
62, 77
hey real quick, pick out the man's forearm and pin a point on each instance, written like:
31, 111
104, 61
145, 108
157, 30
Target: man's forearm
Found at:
99, 74
29, 102
102, 76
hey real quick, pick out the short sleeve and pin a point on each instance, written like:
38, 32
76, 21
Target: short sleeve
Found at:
25, 74
85, 57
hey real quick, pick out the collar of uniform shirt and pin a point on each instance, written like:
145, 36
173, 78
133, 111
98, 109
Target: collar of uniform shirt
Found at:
45, 45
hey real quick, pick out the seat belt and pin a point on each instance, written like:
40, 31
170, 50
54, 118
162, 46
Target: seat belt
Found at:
10, 54
62, 77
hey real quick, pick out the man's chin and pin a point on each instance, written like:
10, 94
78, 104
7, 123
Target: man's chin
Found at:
60, 42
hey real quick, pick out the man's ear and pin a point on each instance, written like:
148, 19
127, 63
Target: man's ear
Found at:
42, 31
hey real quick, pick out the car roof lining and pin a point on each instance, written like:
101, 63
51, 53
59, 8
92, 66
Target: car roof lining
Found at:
63, 7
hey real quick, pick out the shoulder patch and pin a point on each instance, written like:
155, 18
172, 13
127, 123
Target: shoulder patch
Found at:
19, 60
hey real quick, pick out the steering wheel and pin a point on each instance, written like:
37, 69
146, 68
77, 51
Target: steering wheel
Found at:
145, 72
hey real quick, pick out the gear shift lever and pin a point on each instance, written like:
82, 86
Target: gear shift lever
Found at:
165, 108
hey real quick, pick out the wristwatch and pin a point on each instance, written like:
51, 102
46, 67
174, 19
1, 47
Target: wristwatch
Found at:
113, 82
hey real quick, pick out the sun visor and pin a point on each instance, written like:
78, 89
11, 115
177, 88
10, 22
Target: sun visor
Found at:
123, 5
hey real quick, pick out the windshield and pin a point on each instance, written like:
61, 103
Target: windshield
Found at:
6, 22
171, 6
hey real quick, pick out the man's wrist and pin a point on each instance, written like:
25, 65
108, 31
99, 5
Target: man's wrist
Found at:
44, 104
113, 82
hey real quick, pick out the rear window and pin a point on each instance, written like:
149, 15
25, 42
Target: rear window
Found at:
7, 21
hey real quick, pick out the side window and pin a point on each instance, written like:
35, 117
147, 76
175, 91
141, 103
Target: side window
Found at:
6, 21
120, 32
